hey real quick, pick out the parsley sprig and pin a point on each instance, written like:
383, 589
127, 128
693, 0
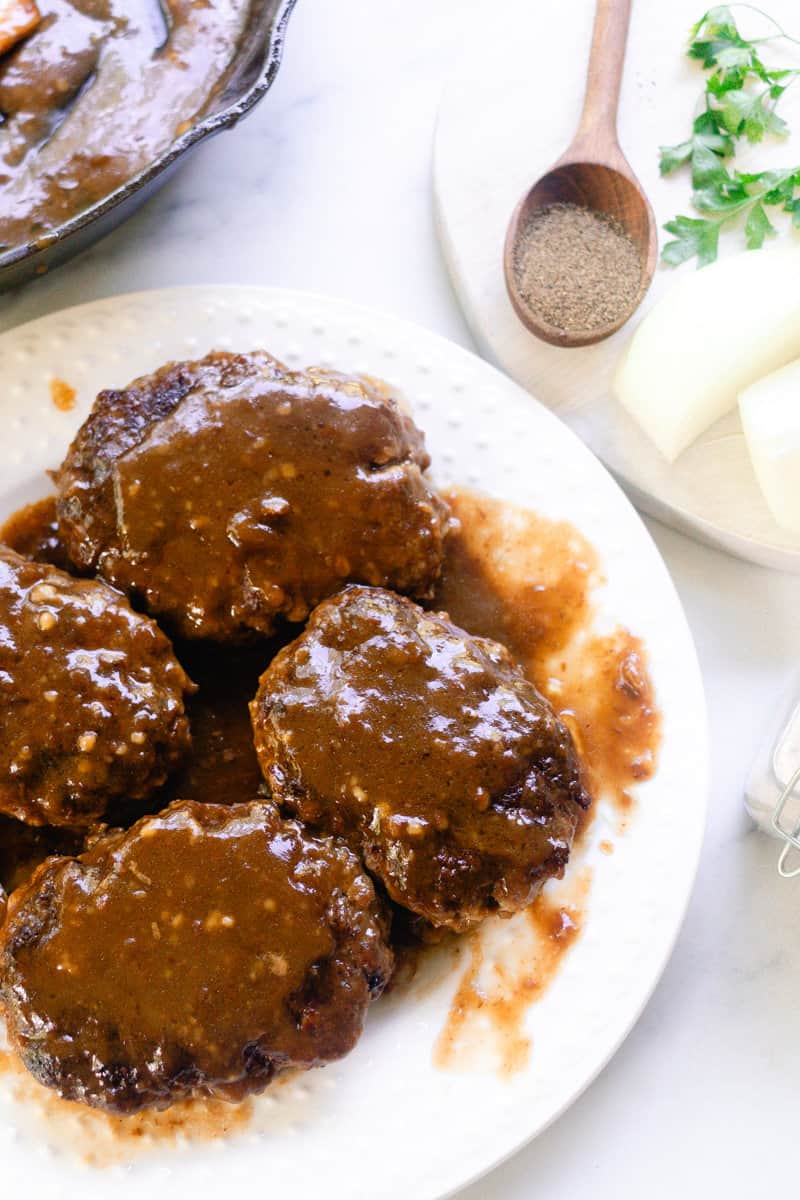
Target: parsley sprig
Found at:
741, 96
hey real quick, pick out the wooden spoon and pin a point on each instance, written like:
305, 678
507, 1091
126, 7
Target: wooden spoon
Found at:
593, 173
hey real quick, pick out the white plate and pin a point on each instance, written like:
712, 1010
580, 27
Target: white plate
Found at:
507, 114
385, 1124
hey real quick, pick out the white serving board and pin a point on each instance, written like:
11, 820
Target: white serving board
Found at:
385, 1123
508, 112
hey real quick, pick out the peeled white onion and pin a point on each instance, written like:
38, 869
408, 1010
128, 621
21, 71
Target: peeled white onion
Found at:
770, 412
715, 332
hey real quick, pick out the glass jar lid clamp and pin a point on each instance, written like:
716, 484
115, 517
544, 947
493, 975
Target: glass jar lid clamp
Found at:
773, 790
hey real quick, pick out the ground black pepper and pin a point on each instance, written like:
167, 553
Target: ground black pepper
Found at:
577, 269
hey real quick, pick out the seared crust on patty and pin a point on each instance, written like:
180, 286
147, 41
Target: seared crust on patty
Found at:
427, 749
91, 697
229, 493
205, 950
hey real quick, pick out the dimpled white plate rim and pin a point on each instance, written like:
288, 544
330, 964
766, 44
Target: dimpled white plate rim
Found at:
385, 1123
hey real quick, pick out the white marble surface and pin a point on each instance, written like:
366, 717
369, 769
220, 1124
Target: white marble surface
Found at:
327, 187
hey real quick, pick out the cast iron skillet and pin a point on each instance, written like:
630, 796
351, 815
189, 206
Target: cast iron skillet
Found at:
253, 71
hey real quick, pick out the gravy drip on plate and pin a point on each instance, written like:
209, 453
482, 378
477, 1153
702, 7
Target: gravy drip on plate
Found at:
526, 581
100, 1139
96, 93
63, 395
513, 575
491, 1003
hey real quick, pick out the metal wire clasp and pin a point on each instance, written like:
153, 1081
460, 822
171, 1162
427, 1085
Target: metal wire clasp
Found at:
790, 836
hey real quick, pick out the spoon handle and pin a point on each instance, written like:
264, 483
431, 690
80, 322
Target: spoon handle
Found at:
598, 123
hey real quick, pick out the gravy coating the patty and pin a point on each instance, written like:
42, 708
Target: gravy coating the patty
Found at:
427, 749
91, 697
203, 951
227, 493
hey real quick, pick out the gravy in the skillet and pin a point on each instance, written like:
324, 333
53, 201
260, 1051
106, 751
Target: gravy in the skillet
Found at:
97, 91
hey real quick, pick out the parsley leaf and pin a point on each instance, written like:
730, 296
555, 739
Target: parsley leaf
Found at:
707, 168
743, 113
672, 157
734, 59
758, 227
708, 134
693, 238
741, 95
712, 35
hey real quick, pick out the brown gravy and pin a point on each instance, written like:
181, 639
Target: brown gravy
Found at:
100, 1139
222, 768
516, 576
608, 701
524, 580
33, 532
96, 92
496, 990
23, 847
509, 574
63, 395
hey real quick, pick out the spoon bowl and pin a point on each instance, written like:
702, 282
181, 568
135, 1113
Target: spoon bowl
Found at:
593, 173
605, 189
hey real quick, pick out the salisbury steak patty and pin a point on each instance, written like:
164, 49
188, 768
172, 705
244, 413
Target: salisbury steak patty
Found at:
425, 747
204, 950
91, 697
229, 492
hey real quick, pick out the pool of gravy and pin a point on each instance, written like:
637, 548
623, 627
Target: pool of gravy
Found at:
95, 93
500, 982
510, 574
527, 581
222, 768
33, 532
23, 847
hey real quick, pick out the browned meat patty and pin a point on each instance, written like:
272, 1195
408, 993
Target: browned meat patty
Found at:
230, 492
205, 950
91, 697
428, 749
